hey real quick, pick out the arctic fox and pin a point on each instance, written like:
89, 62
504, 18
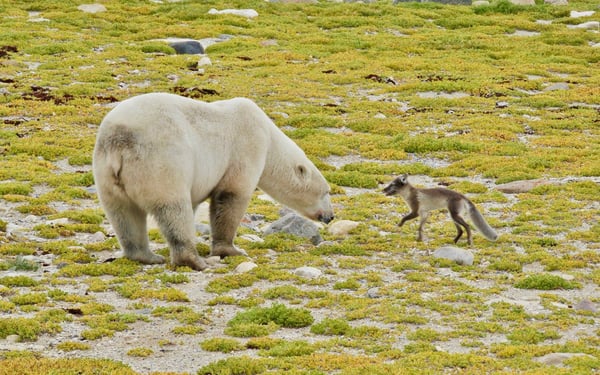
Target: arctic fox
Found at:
422, 201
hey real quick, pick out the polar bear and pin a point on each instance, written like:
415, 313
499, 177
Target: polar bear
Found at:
163, 154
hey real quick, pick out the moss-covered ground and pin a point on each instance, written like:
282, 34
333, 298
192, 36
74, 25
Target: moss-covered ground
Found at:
469, 97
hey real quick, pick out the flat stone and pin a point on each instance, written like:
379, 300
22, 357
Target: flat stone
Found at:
576, 14
308, 272
517, 187
245, 267
248, 13
591, 25
585, 305
557, 86
92, 8
557, 359
342, 227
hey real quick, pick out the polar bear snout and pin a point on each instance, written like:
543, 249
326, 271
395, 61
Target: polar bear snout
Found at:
325, 218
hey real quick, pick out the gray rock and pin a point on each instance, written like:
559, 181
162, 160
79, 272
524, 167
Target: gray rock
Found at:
576, 14
455, 254
296, 225
585, 305
308, 272
556, 2
557, 359
373, 293
187, 47
481, 3
557, 86
501, 104
453, 2
203, 229
523, 2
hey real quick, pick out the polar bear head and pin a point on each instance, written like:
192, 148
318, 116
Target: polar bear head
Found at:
293, 180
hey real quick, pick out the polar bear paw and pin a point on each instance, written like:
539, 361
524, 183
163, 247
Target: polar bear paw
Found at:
191, 260
227, 251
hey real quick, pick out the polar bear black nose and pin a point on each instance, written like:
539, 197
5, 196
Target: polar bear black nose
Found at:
325, 218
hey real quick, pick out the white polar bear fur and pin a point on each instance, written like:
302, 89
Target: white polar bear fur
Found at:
163, 154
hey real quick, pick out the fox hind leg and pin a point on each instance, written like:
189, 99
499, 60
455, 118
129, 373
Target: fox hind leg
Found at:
459, 221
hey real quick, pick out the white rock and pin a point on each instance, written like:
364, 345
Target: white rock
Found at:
213, 260
245, 267
204, 61
342, 227
97, 237
455, 254
587, 13
252, 238
480, 3
308, 272
556, 2
248, 13
92, 8
523, 2
586, 25
61, 221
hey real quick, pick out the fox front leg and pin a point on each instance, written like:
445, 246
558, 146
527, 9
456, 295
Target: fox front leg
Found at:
408, 217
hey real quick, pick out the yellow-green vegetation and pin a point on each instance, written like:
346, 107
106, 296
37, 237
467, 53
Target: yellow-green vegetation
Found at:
460, 96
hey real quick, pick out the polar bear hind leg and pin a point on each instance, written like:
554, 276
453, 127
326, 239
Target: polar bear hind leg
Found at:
129, 223
176, 222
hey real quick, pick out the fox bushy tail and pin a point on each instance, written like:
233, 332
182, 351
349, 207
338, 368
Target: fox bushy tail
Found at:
480, 223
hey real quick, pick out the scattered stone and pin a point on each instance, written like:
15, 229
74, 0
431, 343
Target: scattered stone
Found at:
203, 229
213, 260
269, 42
60, 221
97, 237
326, 243
576, 14
557, 87
586, 305
524, 33
342, 227
501, 104
445, 95
517, 187
544, 22
380, 116
451, 2
248, 13
245, 267
297, 225
13, 338
523, 2
187, 47
92, 8
556, 2
586, 25
252, 238
204, 61
308, 272
373, 293
455, 254
557, 359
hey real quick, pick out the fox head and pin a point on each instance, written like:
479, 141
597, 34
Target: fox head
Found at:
397, 185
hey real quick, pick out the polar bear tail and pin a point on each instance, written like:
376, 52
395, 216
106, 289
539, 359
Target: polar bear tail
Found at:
108, 155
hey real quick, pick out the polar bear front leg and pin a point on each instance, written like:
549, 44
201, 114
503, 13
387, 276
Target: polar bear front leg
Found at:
226, 211
176, 222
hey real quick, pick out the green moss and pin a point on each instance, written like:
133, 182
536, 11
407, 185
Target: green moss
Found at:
277, 313
13, 281
546, 282
331, 327
70, 346
234, 366
223, 345
140, 352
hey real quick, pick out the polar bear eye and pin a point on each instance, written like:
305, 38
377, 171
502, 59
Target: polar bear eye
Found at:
301, 170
